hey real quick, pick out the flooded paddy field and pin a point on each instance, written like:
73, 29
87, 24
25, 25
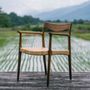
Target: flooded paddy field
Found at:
29, 63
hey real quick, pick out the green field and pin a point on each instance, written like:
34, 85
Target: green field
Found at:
85, 36
78, 30
81, 27
81, 31
30, 63
6, 36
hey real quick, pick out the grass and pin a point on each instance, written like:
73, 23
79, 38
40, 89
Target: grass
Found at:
78, 30
85, 36
81, 27
81, 31
6, 36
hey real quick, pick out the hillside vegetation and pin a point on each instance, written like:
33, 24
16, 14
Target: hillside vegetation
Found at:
12, 20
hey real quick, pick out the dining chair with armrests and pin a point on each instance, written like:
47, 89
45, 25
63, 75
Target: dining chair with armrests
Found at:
62, 29
31, 51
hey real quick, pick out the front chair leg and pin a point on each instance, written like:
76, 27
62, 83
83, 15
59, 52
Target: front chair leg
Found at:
44, 60
48, 74
70, 70
18, 68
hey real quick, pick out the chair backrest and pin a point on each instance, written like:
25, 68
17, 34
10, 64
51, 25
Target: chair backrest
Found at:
58, 27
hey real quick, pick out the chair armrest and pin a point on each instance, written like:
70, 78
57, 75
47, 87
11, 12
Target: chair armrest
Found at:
59, 33
29, 32
55, 33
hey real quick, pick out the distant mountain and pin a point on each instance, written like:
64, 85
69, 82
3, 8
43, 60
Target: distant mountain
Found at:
69, 13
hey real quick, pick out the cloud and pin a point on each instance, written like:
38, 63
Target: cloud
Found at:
21, 6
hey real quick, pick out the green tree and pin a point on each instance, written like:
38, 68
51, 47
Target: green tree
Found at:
0, 10
80, 21
4, 20
12, 19
16, 20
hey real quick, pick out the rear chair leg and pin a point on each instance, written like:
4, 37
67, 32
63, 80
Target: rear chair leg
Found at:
48, 74
18, 68
70, 69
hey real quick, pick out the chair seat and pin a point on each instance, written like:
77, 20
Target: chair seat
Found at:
43, 51
60, 52
35, 51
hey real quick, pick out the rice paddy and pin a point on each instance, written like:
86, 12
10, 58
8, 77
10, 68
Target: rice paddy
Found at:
30, 63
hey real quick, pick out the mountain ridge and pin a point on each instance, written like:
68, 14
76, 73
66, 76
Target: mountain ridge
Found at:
81, 11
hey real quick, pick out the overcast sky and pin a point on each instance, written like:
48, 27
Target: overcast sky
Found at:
24, 6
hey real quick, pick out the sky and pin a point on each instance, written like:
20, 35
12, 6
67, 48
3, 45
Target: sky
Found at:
33, 6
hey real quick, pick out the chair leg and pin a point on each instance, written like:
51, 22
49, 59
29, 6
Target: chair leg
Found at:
44, 60
48, 74
70, 69
18, 69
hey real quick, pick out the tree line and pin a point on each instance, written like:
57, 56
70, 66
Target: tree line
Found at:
12, 19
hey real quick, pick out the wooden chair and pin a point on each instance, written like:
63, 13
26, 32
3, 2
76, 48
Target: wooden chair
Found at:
31, 51
63, 29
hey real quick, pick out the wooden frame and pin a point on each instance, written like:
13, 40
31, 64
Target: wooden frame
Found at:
20, 46
59, 29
